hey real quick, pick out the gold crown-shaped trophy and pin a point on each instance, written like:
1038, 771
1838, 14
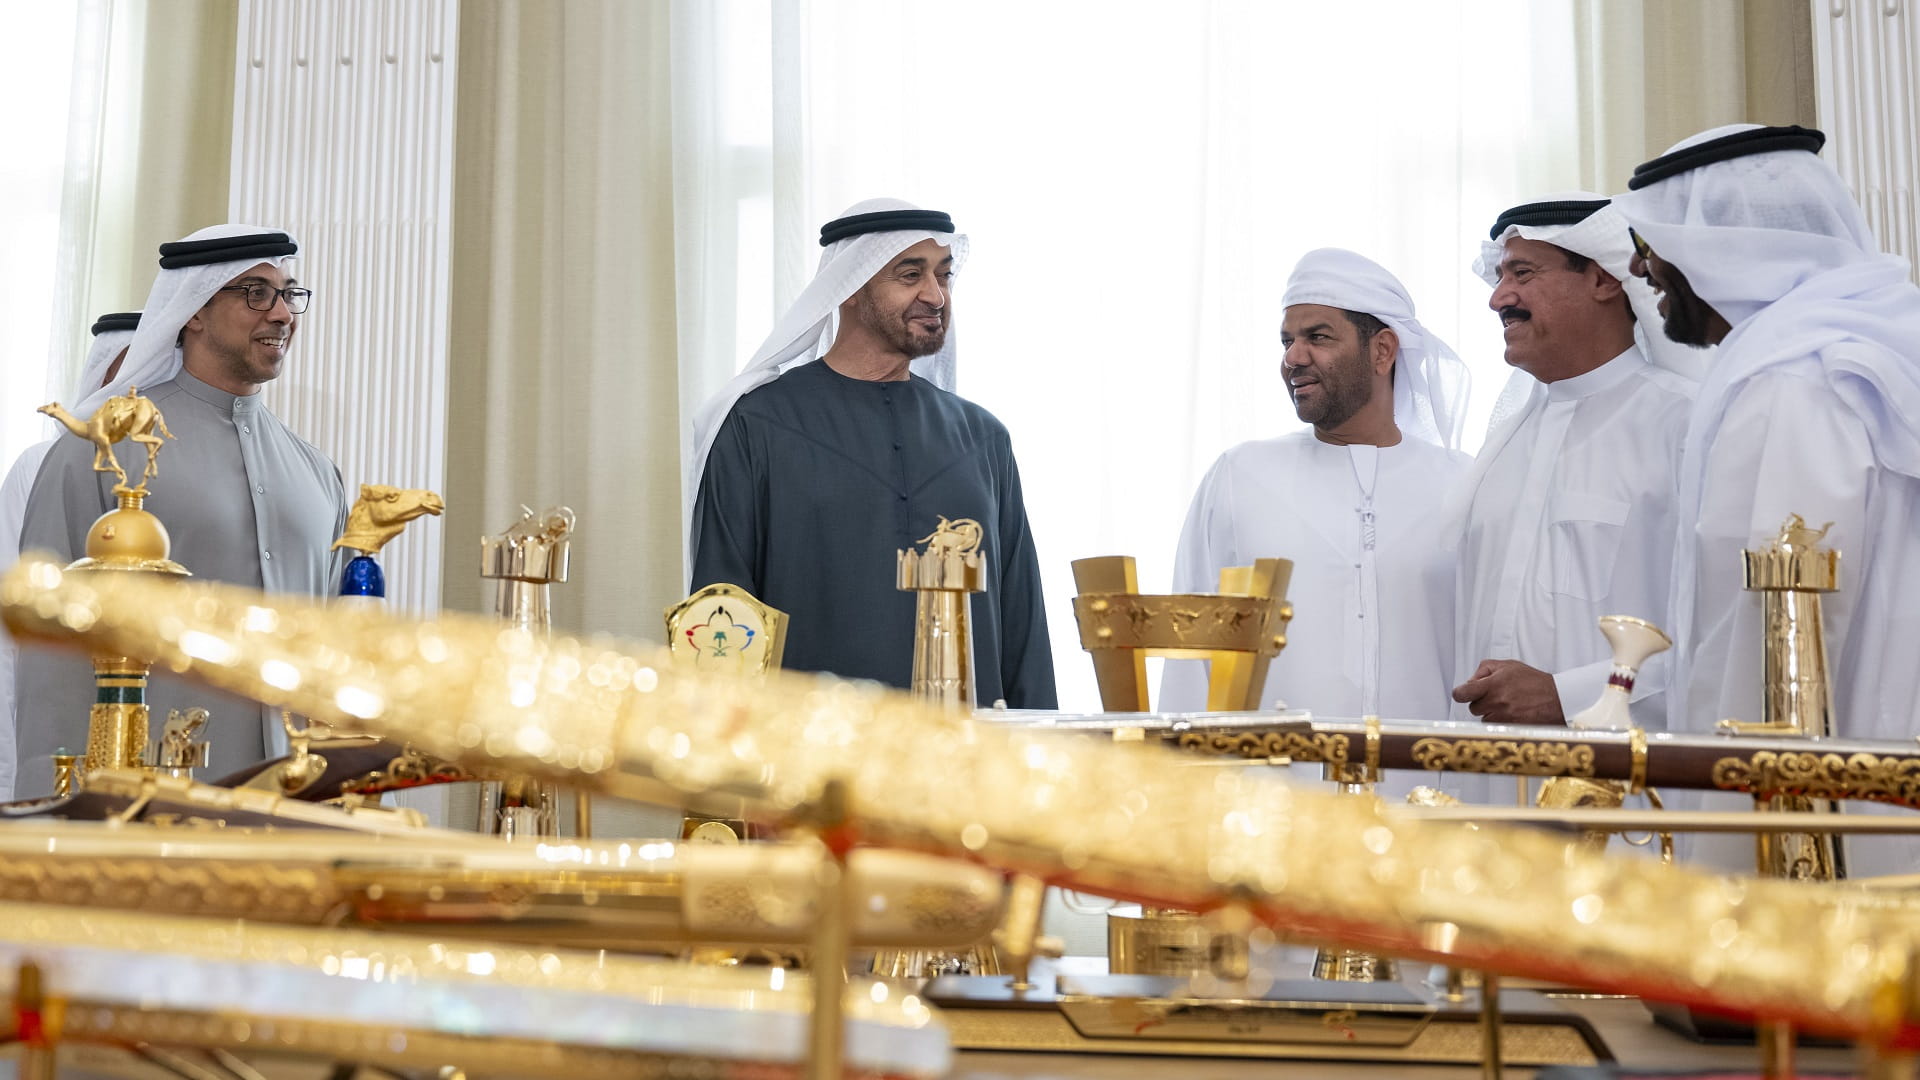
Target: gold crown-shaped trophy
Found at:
1238, 631
131, 539
1790, 573
523, 562
943, 579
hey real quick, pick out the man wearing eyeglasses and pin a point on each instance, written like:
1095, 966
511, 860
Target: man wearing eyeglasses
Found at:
1569, 509
244, 499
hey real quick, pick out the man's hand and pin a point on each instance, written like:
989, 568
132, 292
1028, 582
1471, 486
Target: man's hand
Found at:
1510, 692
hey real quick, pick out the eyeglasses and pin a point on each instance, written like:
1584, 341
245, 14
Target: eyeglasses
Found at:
1640, 247
260, 296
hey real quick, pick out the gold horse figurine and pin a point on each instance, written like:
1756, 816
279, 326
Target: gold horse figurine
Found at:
960, 537
381, 512
128, 416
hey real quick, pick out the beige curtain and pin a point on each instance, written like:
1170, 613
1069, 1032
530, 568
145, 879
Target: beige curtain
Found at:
1651, 72
159, 166
562, 361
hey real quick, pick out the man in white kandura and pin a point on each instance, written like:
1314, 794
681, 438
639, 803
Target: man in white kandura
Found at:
1569, 510
1352, 501
1810, 406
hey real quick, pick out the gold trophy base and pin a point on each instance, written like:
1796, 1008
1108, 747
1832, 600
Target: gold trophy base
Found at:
1295, 1019
1165, 942
981, 960
117, 724
1353, 965
519, 809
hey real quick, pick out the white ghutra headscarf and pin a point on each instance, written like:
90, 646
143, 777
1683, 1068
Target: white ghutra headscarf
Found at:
1431, 381
180, 291
807, 330
1773, 241
1601, 235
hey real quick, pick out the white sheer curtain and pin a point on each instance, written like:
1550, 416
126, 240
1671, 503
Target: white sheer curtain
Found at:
38, 64
117, 141
1138, 179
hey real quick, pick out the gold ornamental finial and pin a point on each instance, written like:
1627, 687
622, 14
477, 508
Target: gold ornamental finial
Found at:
128, 416
381, 512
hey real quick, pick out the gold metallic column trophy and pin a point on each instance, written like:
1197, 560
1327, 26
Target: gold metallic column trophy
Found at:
126, 538
523, 561
1790, 574
943, 580
1344, 963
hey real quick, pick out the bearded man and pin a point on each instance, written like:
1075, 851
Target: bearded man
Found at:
245, 500
1569, 512
1352, 501
807, 483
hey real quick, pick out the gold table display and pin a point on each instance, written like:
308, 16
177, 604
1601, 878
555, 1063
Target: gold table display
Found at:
156, 983
127, 538
1117, 820
653, 897
1760, 765
1239, 631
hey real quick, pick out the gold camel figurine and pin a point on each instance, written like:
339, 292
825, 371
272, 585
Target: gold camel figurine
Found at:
128, 416
381, 512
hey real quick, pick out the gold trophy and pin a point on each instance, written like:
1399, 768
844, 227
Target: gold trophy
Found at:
724, 629
126, 538
1790, 574
943, 580
523, 561
1238, 631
